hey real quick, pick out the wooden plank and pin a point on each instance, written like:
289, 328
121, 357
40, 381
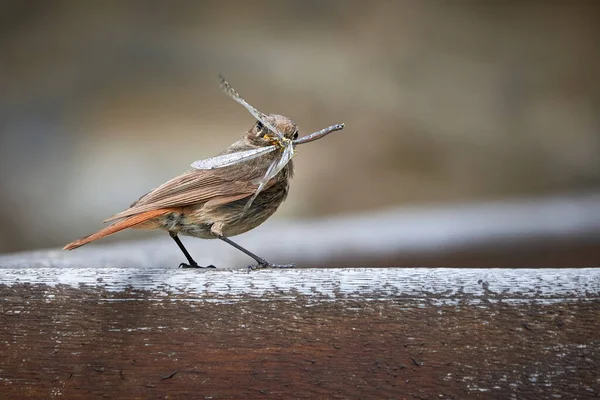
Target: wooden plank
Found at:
507, 285
307, 333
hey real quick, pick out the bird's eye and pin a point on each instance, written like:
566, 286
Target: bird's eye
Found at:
259, 126
295, 135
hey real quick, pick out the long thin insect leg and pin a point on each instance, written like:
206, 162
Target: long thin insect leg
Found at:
262, 263
192, 263
255, 113
318, 134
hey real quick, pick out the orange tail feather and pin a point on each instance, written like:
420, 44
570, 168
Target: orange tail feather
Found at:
118, 226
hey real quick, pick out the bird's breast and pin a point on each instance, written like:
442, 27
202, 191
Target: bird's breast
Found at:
197, 220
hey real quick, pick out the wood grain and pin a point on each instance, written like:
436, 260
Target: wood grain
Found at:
133, 333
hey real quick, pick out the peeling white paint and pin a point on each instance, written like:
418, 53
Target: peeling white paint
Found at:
438, 286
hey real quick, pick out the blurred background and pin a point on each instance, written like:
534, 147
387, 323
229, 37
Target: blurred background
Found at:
446, 104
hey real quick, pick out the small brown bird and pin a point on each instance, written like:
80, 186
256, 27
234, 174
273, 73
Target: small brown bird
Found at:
222, 196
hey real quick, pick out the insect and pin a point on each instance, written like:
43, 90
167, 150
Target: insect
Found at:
280, 142
225, 195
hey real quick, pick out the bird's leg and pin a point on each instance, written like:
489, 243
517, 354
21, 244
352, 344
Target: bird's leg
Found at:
192, 263
262, 263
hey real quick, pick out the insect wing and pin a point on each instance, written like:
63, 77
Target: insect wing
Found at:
260, 187
275, 167
288, 153
226, 160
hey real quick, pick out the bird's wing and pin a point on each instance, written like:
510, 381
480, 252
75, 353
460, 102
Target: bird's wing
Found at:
195, 186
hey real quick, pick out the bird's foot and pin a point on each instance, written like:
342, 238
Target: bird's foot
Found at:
194, 265
269, 265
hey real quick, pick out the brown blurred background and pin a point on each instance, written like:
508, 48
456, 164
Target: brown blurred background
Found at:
445, 103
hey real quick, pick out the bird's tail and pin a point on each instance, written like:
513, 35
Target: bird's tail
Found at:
129, 222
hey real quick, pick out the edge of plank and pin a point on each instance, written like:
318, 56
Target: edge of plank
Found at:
318, 284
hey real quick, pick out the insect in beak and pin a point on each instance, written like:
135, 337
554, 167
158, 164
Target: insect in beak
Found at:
278, 142
272, 139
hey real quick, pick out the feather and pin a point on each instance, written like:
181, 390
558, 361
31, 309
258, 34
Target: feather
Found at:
119, 226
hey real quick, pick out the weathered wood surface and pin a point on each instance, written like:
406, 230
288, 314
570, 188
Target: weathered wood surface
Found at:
155, 333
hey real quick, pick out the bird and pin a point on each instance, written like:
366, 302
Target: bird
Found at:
223, 196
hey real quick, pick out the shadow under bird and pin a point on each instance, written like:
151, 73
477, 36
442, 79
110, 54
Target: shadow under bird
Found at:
222, 196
